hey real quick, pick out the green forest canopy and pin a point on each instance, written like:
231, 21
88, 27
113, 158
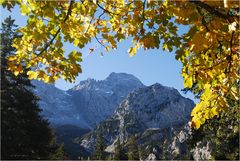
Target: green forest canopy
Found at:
209, 51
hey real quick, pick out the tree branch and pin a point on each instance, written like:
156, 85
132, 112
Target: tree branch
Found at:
99, 42
143, 16
211, 10
229, 58
105, 10
90, 22
59, 29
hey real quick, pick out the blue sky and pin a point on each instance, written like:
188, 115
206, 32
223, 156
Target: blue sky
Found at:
150, 66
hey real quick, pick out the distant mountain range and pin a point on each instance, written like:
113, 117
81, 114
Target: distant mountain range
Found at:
118, 107
86, 104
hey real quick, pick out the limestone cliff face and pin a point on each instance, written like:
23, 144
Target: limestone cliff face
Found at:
150, 112
97, 100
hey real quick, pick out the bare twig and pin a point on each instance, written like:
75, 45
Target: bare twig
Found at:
100, 42
105, 10
229, 58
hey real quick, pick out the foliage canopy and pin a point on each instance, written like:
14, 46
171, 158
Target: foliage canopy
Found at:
209, 50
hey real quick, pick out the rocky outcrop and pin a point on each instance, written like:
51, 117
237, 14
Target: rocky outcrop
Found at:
97, 100
178, 148
153, 113
202, 151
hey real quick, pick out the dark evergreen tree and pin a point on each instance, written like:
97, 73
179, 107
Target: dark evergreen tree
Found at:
144, 151
119, 153
24, 134
100, 154
133, 153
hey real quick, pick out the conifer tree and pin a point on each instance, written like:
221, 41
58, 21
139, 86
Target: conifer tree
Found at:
144, 152
24, 134
133, 153
100, 147
119, 152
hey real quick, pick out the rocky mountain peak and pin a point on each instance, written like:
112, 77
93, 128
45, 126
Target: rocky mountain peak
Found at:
155, 94
114, 80
145, 111
121, 77
99, 99
157, 87
85, 85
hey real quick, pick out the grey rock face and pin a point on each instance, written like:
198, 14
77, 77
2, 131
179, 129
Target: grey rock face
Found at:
155, 107
202, 151
57, 106
97, 100
147, 112
86, 104
178, 147
151, 157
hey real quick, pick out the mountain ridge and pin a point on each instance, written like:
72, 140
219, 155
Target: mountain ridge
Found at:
145, 110
87, 103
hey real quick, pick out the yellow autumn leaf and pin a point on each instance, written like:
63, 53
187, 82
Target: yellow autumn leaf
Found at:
195, 110
2, 1
132, 51
16, 73
214, 111
32, 75
196, 124
12, 58
235, 93
25, 9
188, 82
